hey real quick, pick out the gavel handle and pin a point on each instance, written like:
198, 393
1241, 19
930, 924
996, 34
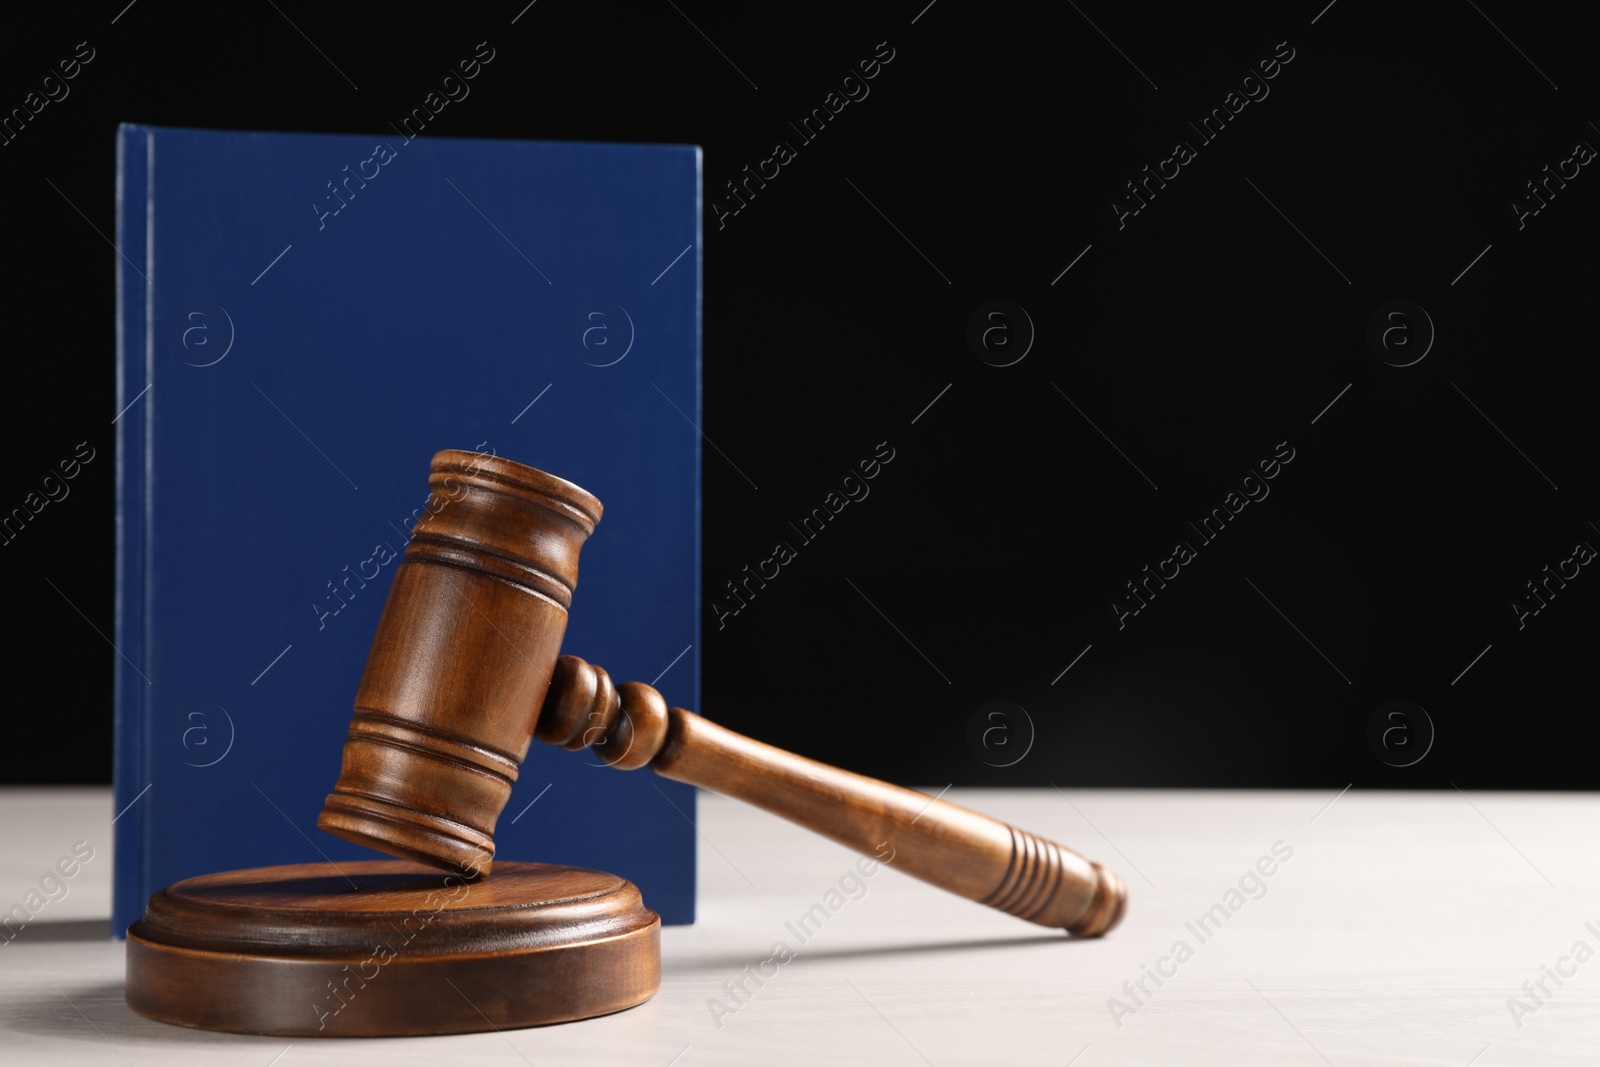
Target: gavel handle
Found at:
969, 854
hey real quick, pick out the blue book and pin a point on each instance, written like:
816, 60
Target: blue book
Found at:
303, 320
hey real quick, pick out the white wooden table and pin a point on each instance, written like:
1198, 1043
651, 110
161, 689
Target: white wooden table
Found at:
1396, 933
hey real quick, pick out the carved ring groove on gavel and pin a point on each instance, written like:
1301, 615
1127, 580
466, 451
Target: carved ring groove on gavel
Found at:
464, 673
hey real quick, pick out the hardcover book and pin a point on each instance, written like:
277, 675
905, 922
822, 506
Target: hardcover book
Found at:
304, 319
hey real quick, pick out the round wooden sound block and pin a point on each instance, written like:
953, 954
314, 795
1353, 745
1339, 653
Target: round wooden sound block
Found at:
385, 948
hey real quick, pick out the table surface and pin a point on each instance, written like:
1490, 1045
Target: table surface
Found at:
1397, 931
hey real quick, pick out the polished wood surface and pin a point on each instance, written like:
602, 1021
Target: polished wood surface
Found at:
463, 651
972, 855
460, 680
387, 948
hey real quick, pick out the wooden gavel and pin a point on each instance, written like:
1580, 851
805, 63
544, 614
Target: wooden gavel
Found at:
464, 673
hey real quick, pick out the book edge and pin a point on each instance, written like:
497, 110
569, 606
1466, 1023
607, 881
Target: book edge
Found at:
129, 763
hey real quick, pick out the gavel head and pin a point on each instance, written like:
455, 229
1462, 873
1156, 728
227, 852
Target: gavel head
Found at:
461, 662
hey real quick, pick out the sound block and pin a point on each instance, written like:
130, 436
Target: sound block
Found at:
382, 948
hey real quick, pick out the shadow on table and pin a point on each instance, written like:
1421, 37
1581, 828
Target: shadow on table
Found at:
98, 1015
48, 932
726, 961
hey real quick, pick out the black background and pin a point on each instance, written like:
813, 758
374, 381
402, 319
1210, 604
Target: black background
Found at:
985, 560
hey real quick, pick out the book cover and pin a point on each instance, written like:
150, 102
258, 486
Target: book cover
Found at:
303, 320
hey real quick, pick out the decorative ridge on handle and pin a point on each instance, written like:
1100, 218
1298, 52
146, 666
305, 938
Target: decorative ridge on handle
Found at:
630, 726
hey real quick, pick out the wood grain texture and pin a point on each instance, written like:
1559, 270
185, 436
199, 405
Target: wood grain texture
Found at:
463, 674
386, 948
969, 854
464, 649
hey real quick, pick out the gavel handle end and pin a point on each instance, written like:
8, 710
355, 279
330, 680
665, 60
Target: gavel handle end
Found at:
1106, 907
971, 855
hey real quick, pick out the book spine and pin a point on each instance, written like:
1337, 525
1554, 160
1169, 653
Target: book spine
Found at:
693, 799
130, 767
